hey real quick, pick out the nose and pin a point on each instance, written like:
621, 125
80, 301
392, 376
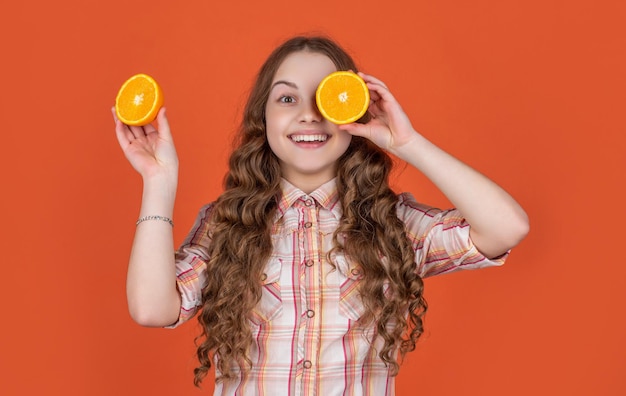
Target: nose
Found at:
310, 112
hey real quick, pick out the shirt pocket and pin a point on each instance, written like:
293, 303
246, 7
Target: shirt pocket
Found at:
349, 276
271, 304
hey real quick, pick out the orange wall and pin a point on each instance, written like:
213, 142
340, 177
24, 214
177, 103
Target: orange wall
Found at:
532, 93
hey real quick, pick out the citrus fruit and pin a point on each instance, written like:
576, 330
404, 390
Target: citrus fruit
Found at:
342, 97
139, 100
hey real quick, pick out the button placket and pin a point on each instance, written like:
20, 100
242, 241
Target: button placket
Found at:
311, 282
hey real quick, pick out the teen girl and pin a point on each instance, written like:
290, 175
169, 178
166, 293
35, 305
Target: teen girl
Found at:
306, 273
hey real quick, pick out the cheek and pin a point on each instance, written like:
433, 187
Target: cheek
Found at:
272, 131
270, 122
274, 119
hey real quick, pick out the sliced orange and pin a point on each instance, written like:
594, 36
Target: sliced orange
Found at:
139, 100
342, 97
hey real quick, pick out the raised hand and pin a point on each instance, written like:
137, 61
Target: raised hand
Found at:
150, 150
497, 221
389, 127
151, 283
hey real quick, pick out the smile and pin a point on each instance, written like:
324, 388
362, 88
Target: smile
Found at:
309, 138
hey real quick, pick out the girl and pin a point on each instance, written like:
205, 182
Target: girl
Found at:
307, 270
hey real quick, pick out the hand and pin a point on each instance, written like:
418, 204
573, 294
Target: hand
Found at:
149, 150
389, 127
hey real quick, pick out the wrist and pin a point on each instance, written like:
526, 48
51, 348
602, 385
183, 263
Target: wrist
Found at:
410, 149
161, 180
159, 194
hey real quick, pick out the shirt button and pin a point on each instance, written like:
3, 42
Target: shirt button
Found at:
308, 202
310, 313
355, 271
309, 263
307, 364
263, 277
308, 224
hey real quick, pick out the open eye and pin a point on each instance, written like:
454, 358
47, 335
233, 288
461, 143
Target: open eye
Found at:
286, 99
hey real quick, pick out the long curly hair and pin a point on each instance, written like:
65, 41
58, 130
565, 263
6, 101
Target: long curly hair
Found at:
369, 234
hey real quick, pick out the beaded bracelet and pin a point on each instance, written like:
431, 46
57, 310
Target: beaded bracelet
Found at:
162, 218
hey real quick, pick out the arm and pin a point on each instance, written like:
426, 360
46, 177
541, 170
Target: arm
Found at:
153, 299
497, 221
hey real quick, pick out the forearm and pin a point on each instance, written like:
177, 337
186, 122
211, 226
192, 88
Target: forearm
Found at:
497, 221
153, 299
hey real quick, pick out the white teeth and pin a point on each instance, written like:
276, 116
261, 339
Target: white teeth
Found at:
309, 138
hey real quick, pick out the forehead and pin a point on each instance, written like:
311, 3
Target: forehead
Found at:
305, 66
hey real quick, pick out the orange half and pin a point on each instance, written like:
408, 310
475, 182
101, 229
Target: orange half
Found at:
342, 97
138, 100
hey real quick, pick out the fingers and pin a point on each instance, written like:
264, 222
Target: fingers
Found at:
381, 99
356, 129
163, 124
378, 89
126, 134
371, 79
123, 134
383, 103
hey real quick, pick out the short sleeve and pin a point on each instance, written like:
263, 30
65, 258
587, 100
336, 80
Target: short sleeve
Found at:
441, 239
191, 259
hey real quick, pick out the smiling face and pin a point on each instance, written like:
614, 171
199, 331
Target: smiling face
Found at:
306, 144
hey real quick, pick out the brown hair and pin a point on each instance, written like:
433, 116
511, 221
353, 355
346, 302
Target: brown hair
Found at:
369, 234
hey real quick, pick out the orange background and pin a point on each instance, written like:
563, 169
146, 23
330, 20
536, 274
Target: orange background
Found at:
531, 93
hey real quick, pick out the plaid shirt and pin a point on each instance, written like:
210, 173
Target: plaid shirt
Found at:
305, 339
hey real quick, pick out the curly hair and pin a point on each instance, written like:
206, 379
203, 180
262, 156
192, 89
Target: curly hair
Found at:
369, 234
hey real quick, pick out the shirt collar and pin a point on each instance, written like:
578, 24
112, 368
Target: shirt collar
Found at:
325, 196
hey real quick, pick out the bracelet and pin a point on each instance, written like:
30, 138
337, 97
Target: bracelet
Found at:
162, 218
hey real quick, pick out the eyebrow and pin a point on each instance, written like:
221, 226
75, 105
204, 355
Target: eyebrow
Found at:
287, 83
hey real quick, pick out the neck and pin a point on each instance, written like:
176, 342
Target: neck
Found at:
308, 183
